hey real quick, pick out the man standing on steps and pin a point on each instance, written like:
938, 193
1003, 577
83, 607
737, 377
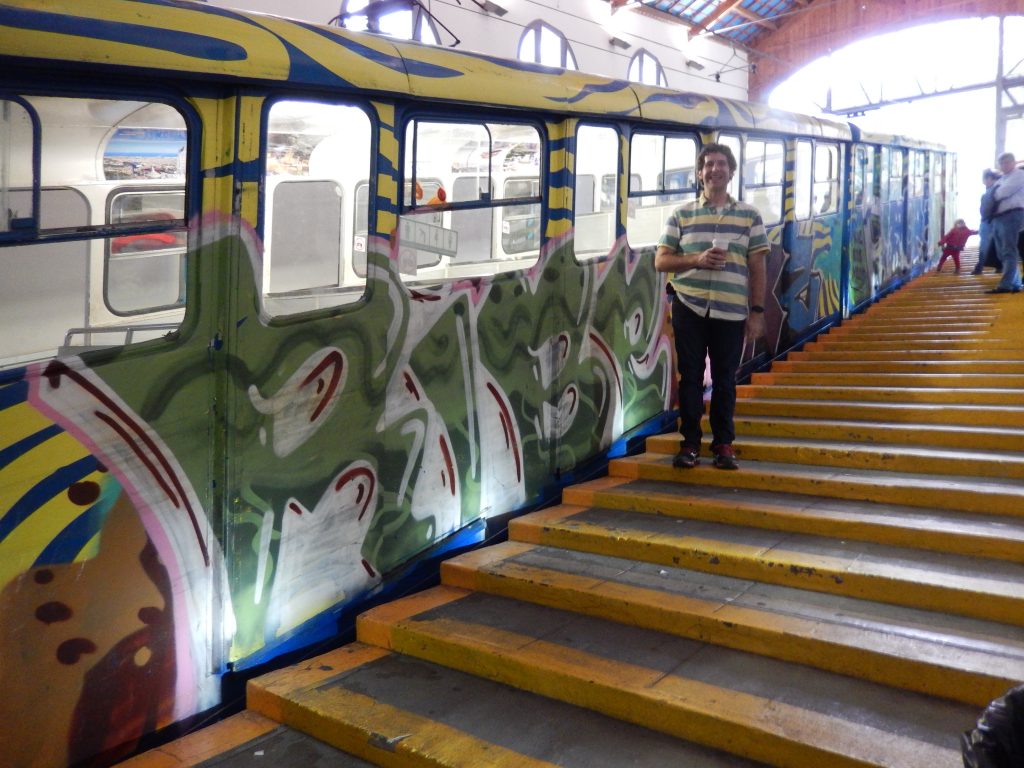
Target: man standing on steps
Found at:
1007, 221
714, 250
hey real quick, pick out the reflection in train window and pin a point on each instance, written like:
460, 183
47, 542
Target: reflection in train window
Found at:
662, 176
763, 176
94, 199
597, 157
826, 178
480, 210
146, 270
316, 206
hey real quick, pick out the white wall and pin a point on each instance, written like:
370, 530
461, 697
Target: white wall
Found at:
587, 24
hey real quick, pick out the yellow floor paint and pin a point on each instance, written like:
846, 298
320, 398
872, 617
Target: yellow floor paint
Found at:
960, 594
744, 724
911, 663
376, 732
814, 518
206, 743
984, 498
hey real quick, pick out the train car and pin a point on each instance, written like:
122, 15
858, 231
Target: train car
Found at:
288, 310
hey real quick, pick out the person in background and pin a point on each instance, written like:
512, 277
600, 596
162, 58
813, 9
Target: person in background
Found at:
953, 243
1007, 222
713, 249
988, 206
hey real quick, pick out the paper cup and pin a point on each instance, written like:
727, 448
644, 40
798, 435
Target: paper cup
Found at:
720, 244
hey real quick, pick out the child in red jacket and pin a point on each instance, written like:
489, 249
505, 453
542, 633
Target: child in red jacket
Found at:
953, 242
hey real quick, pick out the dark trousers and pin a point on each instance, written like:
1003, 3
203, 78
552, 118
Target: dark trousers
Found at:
722, 340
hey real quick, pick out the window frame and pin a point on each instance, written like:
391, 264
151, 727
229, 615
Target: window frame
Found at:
565, 53
488, 202
638, 59
370, 178
599, 180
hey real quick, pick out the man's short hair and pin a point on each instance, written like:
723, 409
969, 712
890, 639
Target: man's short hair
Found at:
721, 149
988, 173
1007, 156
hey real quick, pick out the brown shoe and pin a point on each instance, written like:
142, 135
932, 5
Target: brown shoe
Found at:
725, 457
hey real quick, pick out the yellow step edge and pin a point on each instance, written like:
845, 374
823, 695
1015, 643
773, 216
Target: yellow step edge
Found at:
891, 489
958, 594
743, 724
851, 410
814, 520
825, 453
895, 380
881, 345
910, 355
879, 394
910, 663
379, 733
875, 435
896, 366
206, 743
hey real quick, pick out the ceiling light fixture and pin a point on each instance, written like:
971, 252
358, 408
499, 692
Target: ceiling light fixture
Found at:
618, 43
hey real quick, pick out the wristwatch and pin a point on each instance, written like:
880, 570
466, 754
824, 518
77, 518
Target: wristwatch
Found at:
756, 308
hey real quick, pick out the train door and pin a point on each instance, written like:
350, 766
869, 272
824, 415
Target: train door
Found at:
865, 226
106, 381
918, 209
815, 244
895, 260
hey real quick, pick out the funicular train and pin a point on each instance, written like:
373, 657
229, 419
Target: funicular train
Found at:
286, 309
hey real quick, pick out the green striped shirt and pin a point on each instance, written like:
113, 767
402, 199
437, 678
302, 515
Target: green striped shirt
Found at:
722, 294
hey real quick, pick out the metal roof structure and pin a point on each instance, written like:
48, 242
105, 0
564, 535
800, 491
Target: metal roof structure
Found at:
735, 21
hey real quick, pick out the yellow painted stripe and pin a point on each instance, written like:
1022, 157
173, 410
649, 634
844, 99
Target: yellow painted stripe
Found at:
996, 499
880, 394
894, 380
896, 366
923, 460
925, 413
744, 724
879, 433
20, 421
380, 733
371, 626
960, 594
911, 663
206, 743
816, 519
911, 354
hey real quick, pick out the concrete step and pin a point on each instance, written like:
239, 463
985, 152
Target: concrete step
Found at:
977, 353
398, 709
783, 713
851, 344
1005, 367
242, 741
1011, 417
963, 493
892, 380
988, 396
881, 433
887, 458
959, 659
973, 587
935, 530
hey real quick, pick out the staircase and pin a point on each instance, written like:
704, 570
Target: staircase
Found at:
853, 596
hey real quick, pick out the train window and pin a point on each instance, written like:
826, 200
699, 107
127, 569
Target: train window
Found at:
763, 167
597, 157
734, 143
826, 178
146, 270
916, 180
94, 228
17, 146
895, 190
316, 205
485, 213
662, 176
802, 181
864, 176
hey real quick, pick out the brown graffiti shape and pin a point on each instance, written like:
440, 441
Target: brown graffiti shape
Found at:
331, 359
56, 369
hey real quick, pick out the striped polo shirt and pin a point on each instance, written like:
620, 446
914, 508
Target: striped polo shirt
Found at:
690, 229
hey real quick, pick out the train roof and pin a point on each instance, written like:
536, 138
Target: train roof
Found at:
885, 139
173, 36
